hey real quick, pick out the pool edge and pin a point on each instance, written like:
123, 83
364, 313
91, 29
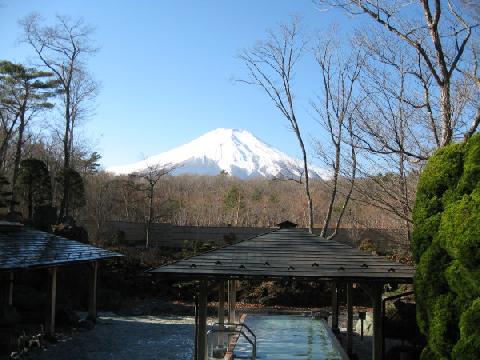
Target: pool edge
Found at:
336, 342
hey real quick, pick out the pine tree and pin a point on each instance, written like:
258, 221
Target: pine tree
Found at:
4, 195
25, 92
75, 190
34, 184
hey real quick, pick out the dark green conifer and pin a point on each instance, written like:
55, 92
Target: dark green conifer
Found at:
25, 91
34, 184
446, 247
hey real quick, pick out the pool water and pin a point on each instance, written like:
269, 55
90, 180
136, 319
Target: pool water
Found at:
282, 337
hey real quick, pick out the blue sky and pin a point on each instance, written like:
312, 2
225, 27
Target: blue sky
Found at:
166, 69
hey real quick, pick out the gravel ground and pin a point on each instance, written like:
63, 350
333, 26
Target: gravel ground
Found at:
127, 338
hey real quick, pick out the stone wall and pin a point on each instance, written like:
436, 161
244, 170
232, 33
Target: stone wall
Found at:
132, 233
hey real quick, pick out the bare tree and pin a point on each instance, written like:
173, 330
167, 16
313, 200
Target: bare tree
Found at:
151, 176
271, 66
337, 108
439, 38
100, 201
63, 49
472, 75
390, 130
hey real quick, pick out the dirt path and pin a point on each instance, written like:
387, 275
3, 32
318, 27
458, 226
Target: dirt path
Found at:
127, 338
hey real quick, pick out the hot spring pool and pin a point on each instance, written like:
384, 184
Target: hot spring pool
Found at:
282, 337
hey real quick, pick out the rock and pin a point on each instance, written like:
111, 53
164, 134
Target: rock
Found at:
7, 341
8, 316
109, 299
67, 317
44, 217
86, 324
367, 325
52, 339
71, 232
14, 216
29, 299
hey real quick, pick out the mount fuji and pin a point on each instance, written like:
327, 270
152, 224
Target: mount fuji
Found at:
237, 152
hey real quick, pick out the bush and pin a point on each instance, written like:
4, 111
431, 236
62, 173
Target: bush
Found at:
446, 248
468, 348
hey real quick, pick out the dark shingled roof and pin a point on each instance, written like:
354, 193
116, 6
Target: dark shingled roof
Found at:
290, 253
22, 248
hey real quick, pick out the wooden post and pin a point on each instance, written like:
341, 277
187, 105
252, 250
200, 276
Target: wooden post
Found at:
221, 312
202, 322
195, 353
10, 289
335, 307
221, 303
377, 349
92, 293
51, 301
349, 318
232, 301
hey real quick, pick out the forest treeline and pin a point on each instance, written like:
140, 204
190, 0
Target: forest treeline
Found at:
220, 200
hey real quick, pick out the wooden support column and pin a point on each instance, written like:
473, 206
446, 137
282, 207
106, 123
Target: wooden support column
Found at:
92, 292
202, 322
232, 301
51, 301
221, 303
349, 318
221, 312
10, 289
377, 349
335, 307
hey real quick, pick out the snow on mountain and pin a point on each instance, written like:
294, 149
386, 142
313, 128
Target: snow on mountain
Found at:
238, 152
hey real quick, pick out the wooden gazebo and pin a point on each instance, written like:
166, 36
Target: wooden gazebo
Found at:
291, 254
23, 248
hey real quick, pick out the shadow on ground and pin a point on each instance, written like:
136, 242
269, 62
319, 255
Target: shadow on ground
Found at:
127, 338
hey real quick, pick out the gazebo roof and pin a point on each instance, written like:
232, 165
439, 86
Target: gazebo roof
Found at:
22, 247
289, 253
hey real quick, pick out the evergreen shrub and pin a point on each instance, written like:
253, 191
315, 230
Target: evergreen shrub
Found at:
446, 248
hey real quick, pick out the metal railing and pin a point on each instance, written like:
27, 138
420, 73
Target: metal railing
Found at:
224, 344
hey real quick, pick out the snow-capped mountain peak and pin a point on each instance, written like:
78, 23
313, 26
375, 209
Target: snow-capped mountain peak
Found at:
235, 151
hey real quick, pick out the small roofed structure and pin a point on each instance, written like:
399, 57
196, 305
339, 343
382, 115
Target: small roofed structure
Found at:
289, 253
286, 224
24, 248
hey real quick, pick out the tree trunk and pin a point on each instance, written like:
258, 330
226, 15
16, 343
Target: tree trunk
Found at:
446, 111
18, 158
3, 150
352, 184
333, 195
306, 183
30, 199
150, 215
66, 159
405, 205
